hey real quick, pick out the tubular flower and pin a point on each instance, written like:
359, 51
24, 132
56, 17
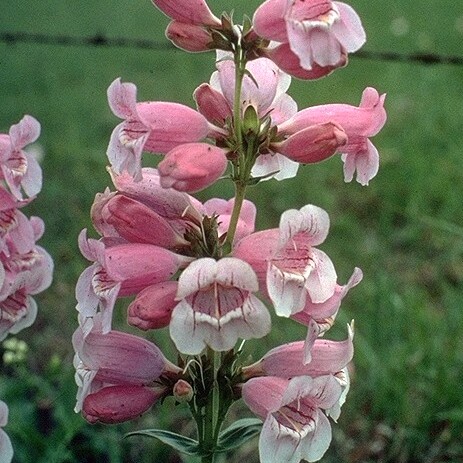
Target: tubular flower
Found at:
319, 32
359, 124
119, 270
217, 306
295, 426
320, 317
118, 216
294, 269
18, 168
192, 167
152, 308
26, 269
189, 37
188, 11
115, 359
179, 209
116, 404
153, 126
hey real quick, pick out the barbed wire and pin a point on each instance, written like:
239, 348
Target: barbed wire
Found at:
100, 40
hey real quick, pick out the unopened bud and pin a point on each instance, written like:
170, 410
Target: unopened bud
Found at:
183, 392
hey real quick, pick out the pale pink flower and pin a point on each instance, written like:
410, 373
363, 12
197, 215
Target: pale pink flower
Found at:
6, 449
359, 124
153, 126
295, 427
25, 270
217, 306
288, 360
119, 270
19, 169
318, 32
268, 97
294, 269
223, 209
188, 11
116, 404
192, 167
113, 359
319, 317
152, 308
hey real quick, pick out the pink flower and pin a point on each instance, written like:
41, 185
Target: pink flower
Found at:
217, 306
287, 263
18, 168
6, 449
152, 308
320, 317
312, 144
265, 92
119, 270
288, 62
116, 404
318, 32
154, 126
178, 208
295, 426
288, 360
118, 216
192, 167
359, 124
25, 270
115, 359
188, 11
189, 37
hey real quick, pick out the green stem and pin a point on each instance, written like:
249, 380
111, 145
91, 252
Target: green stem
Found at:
240, 194
241, 176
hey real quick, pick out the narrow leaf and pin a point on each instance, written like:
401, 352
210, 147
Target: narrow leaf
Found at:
178, 442
238, 433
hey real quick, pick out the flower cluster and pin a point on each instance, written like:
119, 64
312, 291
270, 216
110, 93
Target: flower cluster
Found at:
201, 269
25, 267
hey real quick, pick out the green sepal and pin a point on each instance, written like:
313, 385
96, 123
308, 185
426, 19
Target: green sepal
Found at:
238, 433
181, 443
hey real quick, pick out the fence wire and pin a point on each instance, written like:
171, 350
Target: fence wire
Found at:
99, 40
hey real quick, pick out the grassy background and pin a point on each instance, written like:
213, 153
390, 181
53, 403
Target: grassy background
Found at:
405, 230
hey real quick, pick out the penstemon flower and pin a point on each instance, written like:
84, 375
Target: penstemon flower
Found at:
26, 268
202, 271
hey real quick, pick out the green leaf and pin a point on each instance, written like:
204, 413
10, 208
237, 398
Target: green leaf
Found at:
238, 433
178, 442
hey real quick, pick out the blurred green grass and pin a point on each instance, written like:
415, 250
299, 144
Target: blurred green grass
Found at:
405, 230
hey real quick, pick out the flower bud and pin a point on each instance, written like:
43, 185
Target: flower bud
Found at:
116, 404
192, 166
183, 392
152, 308
189, 37
314, 143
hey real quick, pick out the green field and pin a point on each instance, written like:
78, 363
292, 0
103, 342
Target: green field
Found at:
405, 230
